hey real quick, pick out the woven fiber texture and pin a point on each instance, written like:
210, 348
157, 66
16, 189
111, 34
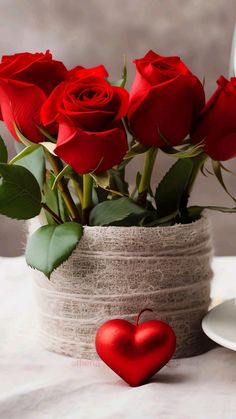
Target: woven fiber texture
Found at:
117, 271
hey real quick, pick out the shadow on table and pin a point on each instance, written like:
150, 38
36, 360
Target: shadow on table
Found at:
162, 378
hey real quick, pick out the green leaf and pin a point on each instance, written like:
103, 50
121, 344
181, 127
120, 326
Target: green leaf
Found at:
109, 212
217, 168
65, 171
20, 195
54, 200
3, 151
63, 212
50, 197
33, 159
195, 211
51, 245
23, 153
171, 189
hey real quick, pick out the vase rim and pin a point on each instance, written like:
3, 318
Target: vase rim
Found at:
204, 219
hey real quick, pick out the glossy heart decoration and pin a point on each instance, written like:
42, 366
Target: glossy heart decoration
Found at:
135, 351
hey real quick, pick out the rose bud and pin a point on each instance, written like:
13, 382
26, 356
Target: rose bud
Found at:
216, 127
165, 99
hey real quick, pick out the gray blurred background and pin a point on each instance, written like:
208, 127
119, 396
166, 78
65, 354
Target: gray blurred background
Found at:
91, 32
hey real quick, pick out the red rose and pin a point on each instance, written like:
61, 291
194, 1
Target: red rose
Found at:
25, 82
88, 109
165, 99
216, 126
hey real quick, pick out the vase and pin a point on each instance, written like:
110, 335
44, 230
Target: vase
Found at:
115, 272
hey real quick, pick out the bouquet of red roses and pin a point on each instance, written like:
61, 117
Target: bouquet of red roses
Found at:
77, 131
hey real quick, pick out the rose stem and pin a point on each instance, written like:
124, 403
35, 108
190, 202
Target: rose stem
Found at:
57, 167
87, 202
149, 160
141, 312
52, 213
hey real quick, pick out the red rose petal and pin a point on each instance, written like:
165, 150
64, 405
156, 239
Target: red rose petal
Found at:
21, 103
91, 152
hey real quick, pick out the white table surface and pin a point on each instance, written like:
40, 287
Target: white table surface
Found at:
36, 384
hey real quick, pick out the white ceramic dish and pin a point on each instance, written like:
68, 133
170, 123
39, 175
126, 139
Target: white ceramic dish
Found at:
220, 324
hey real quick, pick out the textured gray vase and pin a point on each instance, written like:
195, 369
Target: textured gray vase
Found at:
117, 271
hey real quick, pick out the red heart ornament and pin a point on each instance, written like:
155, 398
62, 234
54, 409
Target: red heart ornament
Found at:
135, 351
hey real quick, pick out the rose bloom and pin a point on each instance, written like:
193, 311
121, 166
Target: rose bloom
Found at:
25, 82
91, 136
165, 99
216, 126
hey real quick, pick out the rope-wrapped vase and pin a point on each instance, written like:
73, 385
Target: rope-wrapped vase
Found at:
117, 271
